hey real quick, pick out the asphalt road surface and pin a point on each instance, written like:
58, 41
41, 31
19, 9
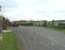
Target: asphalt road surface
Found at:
40, 38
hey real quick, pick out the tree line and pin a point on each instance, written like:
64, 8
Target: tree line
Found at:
44, 23
4, 22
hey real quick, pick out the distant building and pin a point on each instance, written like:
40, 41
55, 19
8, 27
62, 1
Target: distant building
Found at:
59, 23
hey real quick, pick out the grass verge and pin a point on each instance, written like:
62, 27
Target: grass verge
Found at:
58, 29
62, 30
9, 41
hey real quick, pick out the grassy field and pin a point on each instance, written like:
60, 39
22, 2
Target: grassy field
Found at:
9, 41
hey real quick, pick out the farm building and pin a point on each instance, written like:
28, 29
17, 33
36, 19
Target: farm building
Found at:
60, 23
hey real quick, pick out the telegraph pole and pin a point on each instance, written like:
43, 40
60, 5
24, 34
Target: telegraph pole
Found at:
0, 8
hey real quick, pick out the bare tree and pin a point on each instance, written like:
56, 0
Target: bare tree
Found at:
0, 19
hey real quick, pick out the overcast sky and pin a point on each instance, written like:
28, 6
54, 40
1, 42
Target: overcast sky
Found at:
33, 9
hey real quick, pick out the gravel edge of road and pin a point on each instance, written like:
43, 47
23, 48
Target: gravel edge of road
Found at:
18, 44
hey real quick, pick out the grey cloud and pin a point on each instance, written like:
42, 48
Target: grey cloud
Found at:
8, 3
60, 11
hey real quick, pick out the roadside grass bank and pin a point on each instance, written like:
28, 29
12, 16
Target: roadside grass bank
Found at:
9, 41
58, 29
